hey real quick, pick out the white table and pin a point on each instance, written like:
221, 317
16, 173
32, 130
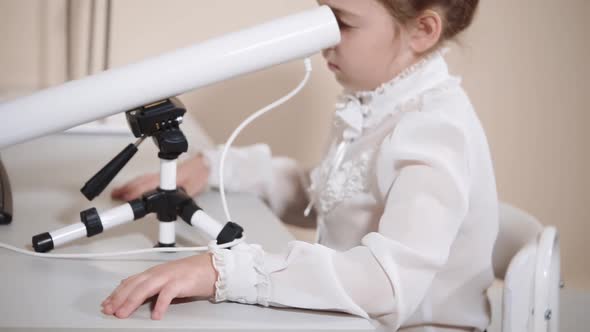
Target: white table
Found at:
55, 295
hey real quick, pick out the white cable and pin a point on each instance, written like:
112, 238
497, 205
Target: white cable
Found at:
246, 122
117, 253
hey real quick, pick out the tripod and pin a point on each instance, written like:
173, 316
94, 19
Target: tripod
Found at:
161, 121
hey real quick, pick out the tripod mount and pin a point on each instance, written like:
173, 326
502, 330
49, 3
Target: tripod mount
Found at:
160, 121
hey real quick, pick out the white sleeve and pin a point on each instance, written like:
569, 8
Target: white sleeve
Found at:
390, 273
279, 181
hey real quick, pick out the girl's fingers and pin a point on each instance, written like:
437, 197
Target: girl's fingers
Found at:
107, 300
120, 294
136, 187
137, 297
165, 297
137, 192
118, 193
133, 194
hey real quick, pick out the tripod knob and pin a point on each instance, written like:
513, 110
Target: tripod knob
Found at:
101, 180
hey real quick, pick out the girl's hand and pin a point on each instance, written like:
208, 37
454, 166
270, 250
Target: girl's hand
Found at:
188, 277
192, 175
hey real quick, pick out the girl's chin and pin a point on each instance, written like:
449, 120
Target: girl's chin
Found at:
340, 77
345, 83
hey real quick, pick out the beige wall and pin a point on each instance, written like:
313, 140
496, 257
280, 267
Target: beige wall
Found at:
524, 63
19, 60
33, 48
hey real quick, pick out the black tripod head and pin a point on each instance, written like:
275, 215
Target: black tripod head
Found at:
149, 120
161, 121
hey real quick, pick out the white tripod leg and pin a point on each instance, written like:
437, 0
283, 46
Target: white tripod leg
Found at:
205, 224
167, 233
193, 215
168, 174
92, 223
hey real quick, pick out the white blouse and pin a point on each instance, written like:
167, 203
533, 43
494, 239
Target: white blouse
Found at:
406, 207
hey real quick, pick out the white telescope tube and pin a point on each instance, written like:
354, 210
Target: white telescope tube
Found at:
122, 89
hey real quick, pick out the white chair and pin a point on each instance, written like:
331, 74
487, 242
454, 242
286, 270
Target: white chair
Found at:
526, 256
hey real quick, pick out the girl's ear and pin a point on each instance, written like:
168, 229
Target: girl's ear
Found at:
425, 31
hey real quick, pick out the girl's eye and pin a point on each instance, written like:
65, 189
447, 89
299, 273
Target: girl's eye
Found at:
342, 25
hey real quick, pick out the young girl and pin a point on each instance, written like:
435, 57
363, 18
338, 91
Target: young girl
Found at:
405, 197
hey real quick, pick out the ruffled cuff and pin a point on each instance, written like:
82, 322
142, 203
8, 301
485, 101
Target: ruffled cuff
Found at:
241, 277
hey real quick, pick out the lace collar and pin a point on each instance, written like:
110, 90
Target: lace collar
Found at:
357, 111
